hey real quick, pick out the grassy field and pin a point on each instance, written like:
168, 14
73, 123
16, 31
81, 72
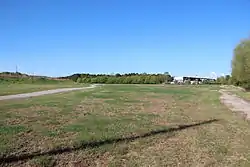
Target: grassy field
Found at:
243, 94
124, 125
10, 89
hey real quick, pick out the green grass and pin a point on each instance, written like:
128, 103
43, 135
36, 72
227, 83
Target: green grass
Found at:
11, 130
243, 95
10, 89
125, 125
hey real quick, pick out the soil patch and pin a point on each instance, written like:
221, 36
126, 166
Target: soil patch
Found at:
235, 103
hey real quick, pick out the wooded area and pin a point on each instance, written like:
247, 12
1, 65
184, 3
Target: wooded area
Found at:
240, 75
131, 78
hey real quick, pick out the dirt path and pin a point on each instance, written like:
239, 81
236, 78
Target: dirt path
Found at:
45, 92
235, 103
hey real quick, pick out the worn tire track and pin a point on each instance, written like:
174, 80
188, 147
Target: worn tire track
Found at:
235, 103
45, 92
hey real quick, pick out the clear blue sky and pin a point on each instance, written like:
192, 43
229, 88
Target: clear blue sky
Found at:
61, 37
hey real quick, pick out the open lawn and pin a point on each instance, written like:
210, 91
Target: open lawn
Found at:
11, 89
124, 125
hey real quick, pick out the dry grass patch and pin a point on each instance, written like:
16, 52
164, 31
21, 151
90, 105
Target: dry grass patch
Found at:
125, 125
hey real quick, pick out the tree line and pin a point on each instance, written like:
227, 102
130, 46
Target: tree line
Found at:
133, 78
240, 64
224, 80
130, 78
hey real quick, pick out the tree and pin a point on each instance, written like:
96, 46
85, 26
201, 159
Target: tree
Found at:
168, 78
79, 80
228, 79
221, 80
74, 77
166, 73
241, 64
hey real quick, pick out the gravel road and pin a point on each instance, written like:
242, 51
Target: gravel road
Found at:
45, 92
235, 103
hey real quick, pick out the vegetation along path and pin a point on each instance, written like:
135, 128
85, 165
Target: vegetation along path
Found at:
235, 103
40, 93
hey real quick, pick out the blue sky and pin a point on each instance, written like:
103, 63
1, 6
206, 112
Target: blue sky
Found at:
61, 37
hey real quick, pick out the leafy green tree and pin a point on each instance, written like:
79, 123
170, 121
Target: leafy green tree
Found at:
168, 77
79, 80
74, 77
111, 80
241, 64
223, 80
147, 80
94, 80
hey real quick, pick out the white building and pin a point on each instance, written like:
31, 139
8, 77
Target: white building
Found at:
179, 79
193, 79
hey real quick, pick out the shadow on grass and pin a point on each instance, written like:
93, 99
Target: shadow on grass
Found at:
93, 144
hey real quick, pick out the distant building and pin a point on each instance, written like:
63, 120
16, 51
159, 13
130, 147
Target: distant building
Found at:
192, 79
179, 79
